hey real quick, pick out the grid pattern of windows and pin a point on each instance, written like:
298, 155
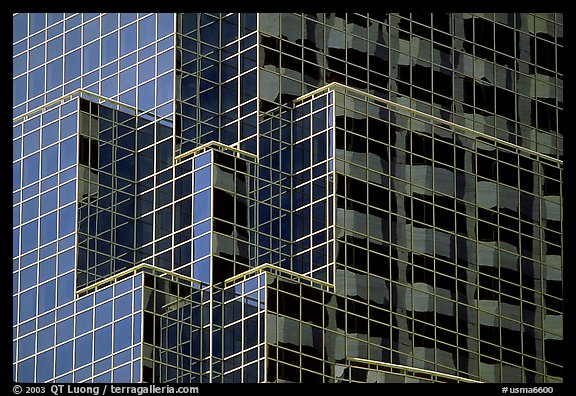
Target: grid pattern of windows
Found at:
127, 57
287, 197
499, 74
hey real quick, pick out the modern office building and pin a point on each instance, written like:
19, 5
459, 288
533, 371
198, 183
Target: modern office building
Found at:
287, 197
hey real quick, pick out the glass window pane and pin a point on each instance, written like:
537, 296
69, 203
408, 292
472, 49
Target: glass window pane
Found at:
84, 350
202, 205
67, 153
91, 56
109, 48
127, 39
49, 134
50, 160
109, 22
72, 65
91, 30
54, 74
147, 30
29, 236
73, 39
36, 82
31, 169
27, 304
67, 220
19, 26
55, 48
64, 358
201, 246
45, 364
37, 56
48, 228
122, 334
47, 269
48, 201
29, 209
103, 342
19, 89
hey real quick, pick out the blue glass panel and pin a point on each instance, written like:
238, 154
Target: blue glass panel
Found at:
45, 364
123, 286
48, 250
37, 56
65, 288
67, 174
122, 306
83, 374
50, 160
165, 24
29, 209
48, 228
27, 305
67, 193
67, 220
48, 201
55, 48
202, 270
54, 72
29, 236
16, 175
19, 26
37, 22
19, 89
67, 153
31, 169
164, 89
165, 61
110, 48
103, 295
202, 178
26, 346
104, 378
137, 320
147, 30
127, 38
46, 338
28, 277
146, 96
68, 126
109, 86
84, 322
84, 350
72, 65
103, 342
31, 142
47, 269
109, 22
202, 205
122, 334
201, 246
19, 65
127, 78
54, 17
91, 30
65, 311
73, 39
91, 57
123, 374
26, 370
103, 314
47, 296
66, 261
49, 134
64, 330
64, 358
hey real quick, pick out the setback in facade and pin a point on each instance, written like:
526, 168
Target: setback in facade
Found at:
287, 197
